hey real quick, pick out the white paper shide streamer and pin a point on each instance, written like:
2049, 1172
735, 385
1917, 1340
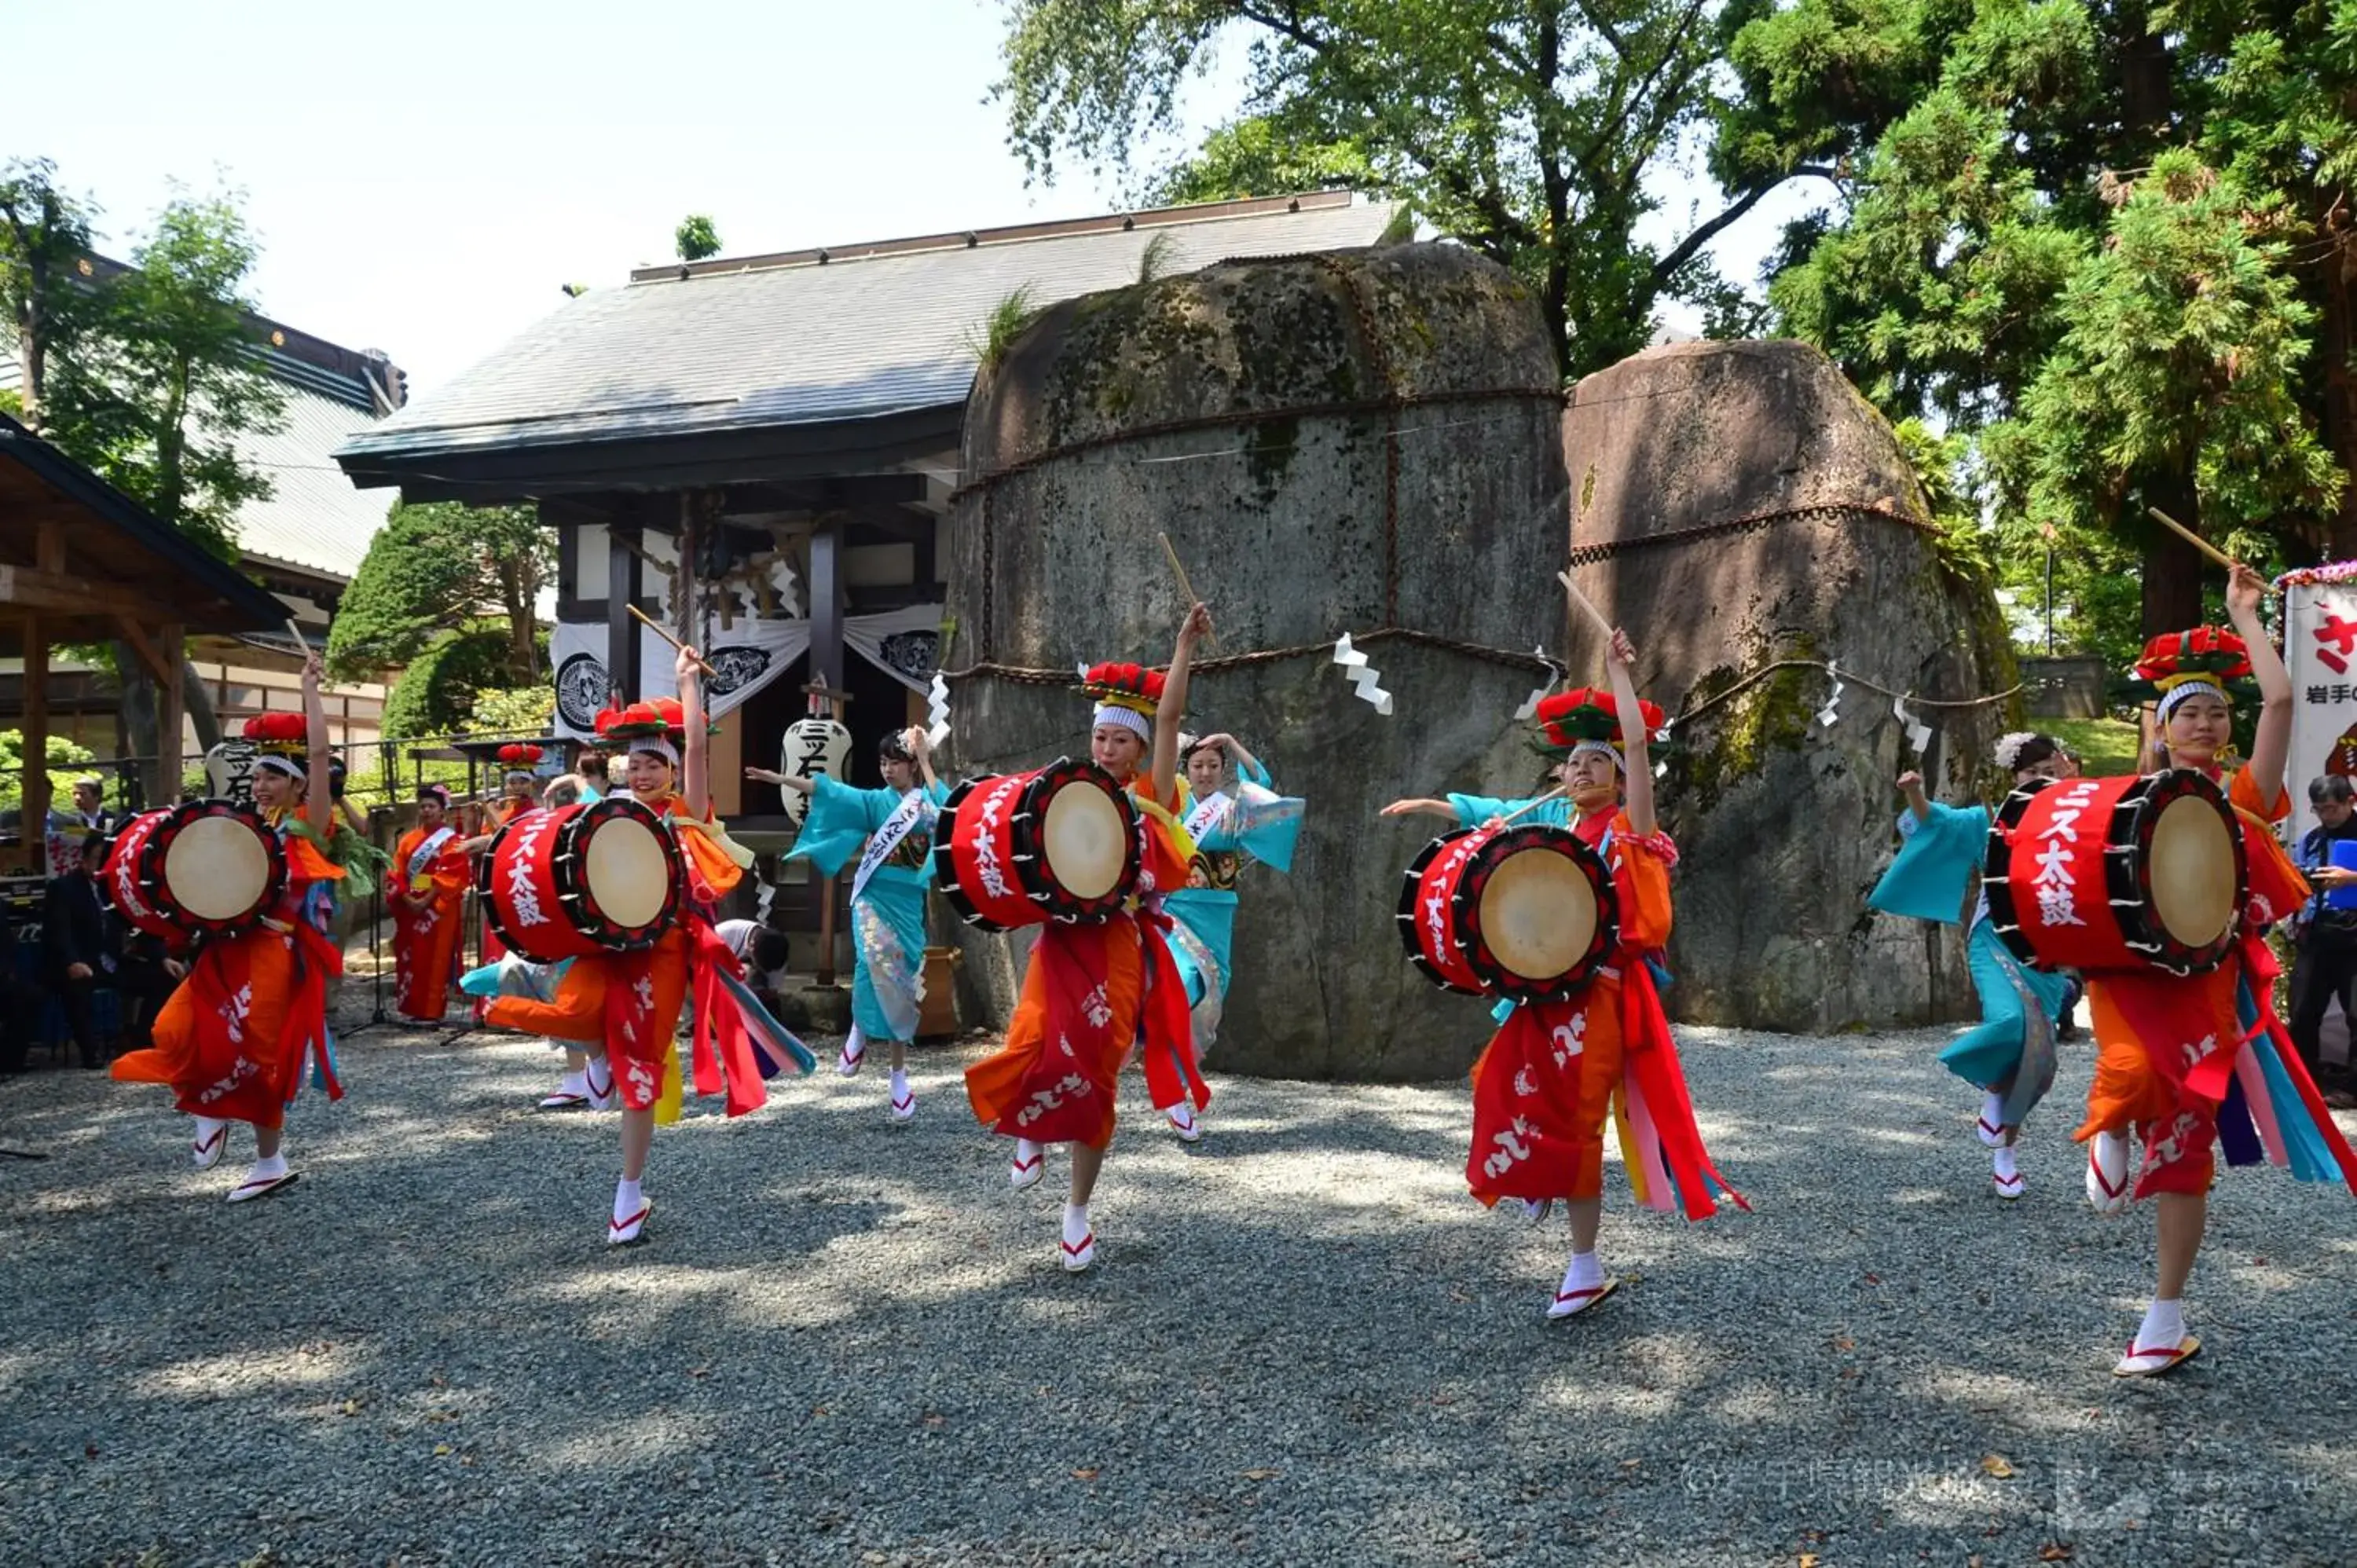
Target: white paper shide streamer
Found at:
1918, 734
1362, 675
1530, 708
937, 711
1832, 709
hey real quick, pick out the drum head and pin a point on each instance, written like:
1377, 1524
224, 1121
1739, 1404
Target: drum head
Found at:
216, 868
1538, 914
624, 870
1084, 840
2193, 892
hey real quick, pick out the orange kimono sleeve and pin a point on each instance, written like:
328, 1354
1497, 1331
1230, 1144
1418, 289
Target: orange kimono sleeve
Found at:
1169, 850
708, 865
2276, 886
2244, 793
1643, 882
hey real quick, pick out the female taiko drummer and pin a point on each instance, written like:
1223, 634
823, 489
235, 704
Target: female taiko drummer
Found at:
2187, 1064
629, 1004
234, 1037
1939, 858
1541, 1095
429, 889
1235, 820
1092, 993
895, 824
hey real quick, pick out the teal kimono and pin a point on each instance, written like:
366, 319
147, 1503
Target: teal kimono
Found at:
1259, 826
2011, 1050
887, 916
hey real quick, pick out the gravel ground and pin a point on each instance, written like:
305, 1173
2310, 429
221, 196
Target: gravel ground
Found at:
846, 1341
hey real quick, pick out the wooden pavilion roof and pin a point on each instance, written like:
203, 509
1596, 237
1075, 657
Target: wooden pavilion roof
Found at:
83, 559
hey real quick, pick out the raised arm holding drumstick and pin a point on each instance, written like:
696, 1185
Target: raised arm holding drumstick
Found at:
1525, 1078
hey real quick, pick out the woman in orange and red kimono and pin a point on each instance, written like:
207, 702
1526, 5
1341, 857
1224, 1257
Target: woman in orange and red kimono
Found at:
1098, 993
2187, 1064
429, 889
232, 1040
1555, 1072
626, 1005
519, 796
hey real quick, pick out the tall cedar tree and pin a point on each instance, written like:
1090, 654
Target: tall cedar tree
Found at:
1539, 131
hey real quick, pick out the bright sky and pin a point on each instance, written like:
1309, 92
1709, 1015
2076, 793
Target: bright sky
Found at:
424, 177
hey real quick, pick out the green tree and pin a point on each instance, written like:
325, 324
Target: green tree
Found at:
696, 237
437, 566
63, 754
44, 238
2056, 243
1539, 131
169, 375
1260, 156
147, 373
437, 692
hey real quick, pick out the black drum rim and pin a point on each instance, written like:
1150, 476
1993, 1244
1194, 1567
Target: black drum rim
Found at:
566, 870
1997, 865
1028, 822
945, 877
1544, 837
149, 867
2128, 851
1411, 888
2126, 848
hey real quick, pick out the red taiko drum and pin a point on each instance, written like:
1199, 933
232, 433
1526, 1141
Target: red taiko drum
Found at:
205, 868
1022, 849
1524, 912
602, 878
2117, 873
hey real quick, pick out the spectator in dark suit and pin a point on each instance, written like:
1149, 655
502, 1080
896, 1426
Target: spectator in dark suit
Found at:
20, 1003
80, 950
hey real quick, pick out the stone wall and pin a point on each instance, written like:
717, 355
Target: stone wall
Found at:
1783, 823
1333, 444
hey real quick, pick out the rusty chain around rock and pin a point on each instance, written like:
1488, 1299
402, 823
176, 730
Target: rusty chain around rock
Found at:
1821, 511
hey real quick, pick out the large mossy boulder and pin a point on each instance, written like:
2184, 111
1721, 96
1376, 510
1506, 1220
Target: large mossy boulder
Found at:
1739, 504
1333, 443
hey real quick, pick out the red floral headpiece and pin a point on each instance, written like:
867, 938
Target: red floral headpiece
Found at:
1569, 718
2210, 654
521, 755
279, 734
1131, 686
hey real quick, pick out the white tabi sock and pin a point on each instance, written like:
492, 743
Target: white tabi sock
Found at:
1586, 1272
1992, 1115
270, 1169
2163, 1327
2002, 1163
627, 1201
1076, 1224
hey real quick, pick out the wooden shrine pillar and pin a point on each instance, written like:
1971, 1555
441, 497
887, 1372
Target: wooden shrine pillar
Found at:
35, 812
622, 593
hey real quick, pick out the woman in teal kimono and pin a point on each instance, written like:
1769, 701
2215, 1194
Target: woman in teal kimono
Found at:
887, 891
1236, 818
2010, 1055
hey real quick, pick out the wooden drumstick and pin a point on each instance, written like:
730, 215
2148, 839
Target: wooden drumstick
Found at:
1528, 805
2195, 539
1579, 602
664, 632
1184, 586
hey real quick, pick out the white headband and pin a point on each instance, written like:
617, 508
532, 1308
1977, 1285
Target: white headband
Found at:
2177, 693
289, 766
1129, 719
658, 745
1580, 748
